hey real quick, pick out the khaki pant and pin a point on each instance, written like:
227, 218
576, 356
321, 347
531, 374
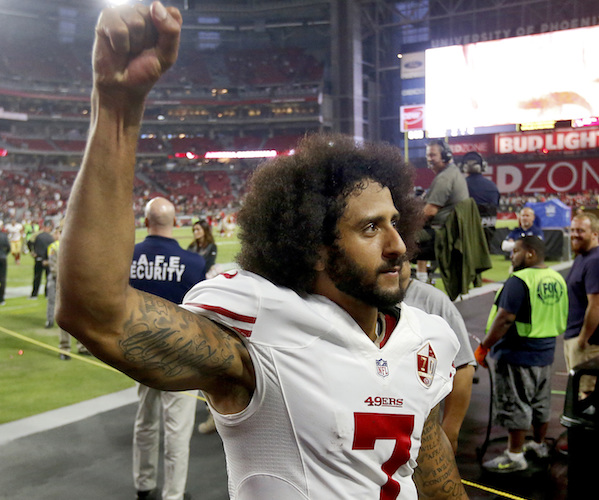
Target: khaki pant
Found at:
64, 342
16, 247
177, 412
575, 356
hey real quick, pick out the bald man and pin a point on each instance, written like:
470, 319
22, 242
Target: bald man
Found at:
526, 218
161, 267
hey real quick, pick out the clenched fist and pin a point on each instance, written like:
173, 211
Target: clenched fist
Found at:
134, 46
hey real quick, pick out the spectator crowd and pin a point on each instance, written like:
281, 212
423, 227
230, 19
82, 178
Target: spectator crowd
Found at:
42, 193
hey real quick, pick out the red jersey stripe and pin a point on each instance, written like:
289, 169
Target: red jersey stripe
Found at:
224, 312
245, 333
390, 324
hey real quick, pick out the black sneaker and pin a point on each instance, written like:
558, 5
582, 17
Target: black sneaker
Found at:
65, 357
148, 495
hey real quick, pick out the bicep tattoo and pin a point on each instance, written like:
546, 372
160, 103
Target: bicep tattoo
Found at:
163, 337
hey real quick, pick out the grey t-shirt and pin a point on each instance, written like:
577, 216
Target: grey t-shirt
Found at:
447, 190
429, 299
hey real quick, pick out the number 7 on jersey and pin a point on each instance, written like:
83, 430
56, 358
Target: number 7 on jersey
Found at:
372, 426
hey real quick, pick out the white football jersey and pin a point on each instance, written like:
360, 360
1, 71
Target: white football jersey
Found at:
15, 231
333, 415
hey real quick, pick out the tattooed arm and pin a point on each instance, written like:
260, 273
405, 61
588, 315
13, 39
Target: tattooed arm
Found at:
146, 337
437, 475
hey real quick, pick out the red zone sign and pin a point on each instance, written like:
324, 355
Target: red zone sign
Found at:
556, 176
543, 177
561, 176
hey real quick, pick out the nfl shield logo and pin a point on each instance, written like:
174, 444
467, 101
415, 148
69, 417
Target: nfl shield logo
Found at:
382, 369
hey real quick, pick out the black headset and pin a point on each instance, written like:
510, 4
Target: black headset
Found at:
474, 157
446, 154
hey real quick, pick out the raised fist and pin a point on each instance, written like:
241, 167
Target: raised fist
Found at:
134, 46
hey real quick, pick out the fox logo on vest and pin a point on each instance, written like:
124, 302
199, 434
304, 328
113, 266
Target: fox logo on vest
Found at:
550, 291
426, 360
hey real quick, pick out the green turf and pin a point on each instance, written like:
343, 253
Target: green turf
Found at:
34, 379
21, 275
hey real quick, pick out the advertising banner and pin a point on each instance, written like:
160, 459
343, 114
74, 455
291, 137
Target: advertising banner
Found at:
555, 176
411, 118
547, 141
412, 65
536, 177
481, 144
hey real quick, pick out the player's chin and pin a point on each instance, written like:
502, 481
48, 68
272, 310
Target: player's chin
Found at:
391, 298
392, 293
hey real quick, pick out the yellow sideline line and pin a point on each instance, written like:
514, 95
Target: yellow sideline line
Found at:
492, 490
108, 367
87, 359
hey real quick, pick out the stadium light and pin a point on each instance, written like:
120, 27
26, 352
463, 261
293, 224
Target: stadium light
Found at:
220, 155
119, 2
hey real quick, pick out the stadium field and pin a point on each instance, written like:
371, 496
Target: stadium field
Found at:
34, 380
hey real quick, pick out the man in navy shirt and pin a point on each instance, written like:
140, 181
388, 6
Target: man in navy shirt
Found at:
529, 312
527, 227
582, 333
161, 267
482, 190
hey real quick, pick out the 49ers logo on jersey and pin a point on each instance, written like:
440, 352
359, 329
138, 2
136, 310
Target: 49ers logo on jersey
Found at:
427, 365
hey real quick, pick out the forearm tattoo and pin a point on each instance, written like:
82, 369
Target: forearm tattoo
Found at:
437, 475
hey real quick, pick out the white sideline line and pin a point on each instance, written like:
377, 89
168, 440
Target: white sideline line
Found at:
66, 415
